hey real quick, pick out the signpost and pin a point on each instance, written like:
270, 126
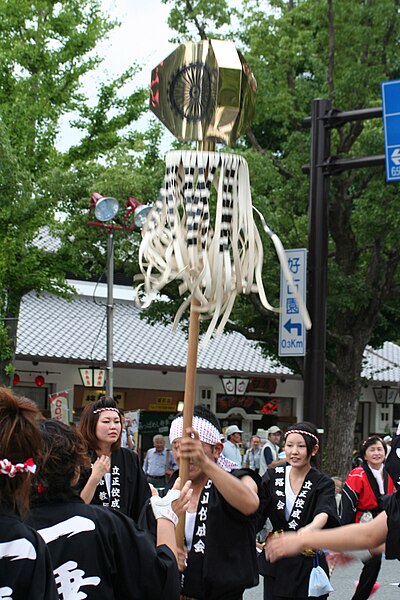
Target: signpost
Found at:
292, 333
391, 127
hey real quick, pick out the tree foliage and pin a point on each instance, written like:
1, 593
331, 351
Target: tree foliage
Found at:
198, 17
46, 49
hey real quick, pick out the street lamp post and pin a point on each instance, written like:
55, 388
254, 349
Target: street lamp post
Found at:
110, 314
106, 209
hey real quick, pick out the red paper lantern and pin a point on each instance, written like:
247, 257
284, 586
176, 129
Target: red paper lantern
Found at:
39, 380
16, 379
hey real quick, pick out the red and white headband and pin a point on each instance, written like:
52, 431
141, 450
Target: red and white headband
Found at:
208, 433
98, 410
302, 432
7, 467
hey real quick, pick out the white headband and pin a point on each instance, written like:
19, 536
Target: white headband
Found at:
302, 432
98, 410
208, 433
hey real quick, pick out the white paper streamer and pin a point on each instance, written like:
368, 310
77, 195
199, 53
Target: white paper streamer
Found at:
215, 265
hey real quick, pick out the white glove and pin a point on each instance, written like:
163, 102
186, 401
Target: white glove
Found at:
162, 506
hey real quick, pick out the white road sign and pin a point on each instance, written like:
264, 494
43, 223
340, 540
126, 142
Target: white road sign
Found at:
292, 333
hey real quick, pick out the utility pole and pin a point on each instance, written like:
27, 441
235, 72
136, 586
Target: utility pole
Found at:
314, 368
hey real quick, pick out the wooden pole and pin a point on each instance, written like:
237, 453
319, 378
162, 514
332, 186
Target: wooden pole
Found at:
190, 380
188, 401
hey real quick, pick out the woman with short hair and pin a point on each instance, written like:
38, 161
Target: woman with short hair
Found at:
362, 500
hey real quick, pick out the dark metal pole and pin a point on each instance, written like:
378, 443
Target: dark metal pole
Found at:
314, 372
110, 314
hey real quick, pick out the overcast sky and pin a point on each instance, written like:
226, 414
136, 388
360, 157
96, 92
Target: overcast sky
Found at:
142, 38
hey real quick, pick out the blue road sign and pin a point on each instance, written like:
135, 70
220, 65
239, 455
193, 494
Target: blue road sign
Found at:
292, 333
391, 127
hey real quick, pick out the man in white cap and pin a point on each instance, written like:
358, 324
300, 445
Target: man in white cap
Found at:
270, 452
231, 449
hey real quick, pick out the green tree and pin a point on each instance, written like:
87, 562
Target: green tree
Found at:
190, 18
46, 48
340, 51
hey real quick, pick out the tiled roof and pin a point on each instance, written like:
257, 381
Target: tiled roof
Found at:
382, 364
75, 331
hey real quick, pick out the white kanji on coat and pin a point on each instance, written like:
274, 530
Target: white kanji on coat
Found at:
199, 547
70, 579
201, 530
6, 593
203, 514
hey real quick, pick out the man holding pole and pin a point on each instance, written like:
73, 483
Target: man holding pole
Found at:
215, 264
219, 556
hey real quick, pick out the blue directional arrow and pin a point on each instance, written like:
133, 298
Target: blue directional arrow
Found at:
289, 326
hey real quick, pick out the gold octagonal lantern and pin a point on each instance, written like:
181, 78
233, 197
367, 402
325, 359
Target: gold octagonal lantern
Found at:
204, 91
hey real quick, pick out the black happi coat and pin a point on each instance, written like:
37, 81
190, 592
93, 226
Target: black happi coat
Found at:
392, 508
25, 565
129, 487
290, 576
102, 553
222, 561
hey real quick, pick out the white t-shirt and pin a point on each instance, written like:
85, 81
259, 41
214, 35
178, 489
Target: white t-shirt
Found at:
107, 479
189, 528
289, 493
378, 474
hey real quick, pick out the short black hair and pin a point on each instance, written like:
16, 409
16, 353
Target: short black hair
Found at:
64, 454
205, 413
371, 441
